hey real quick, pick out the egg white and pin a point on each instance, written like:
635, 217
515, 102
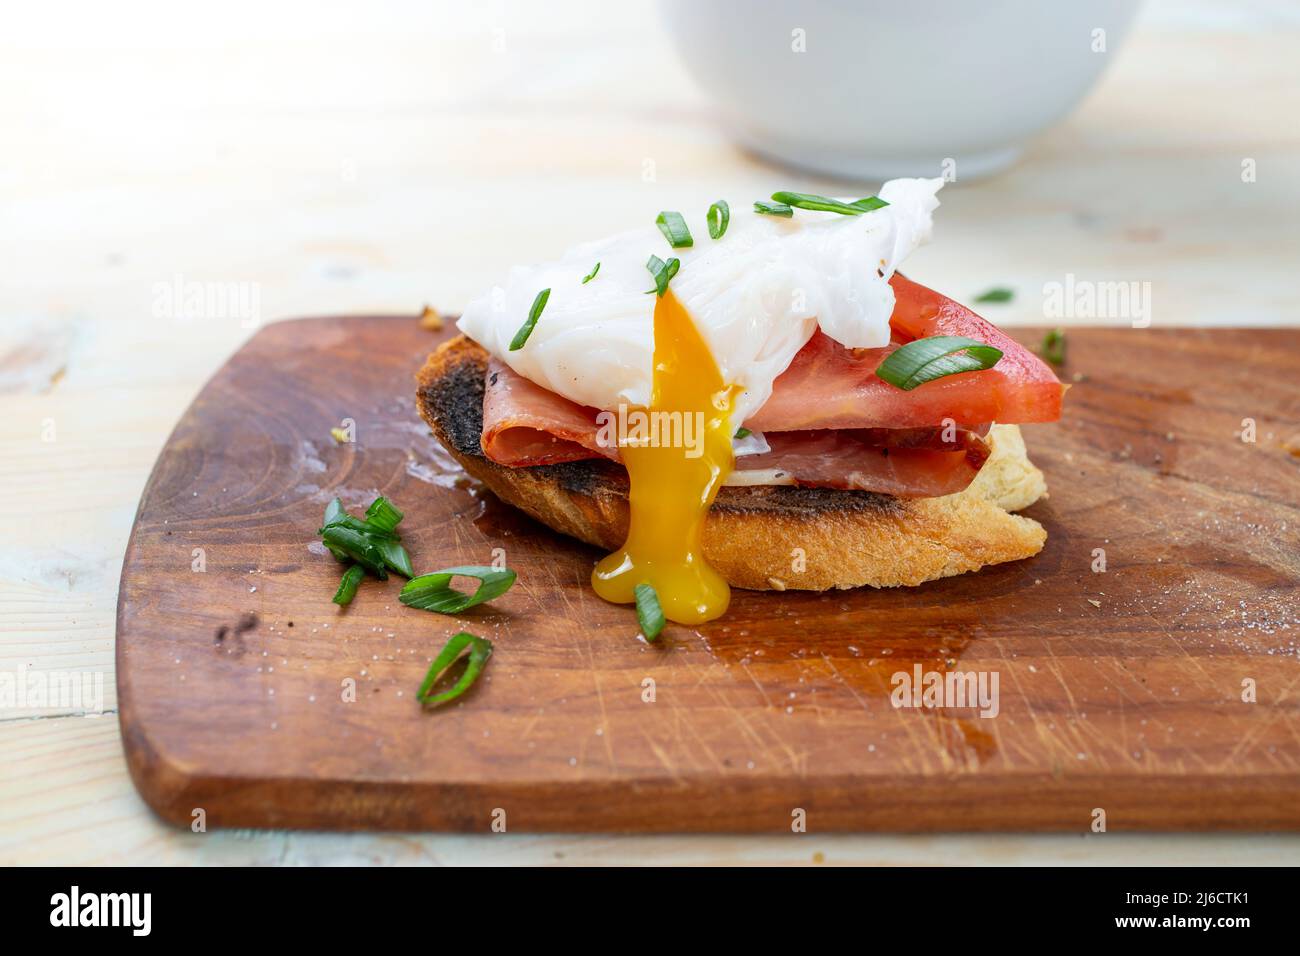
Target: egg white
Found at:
756, 295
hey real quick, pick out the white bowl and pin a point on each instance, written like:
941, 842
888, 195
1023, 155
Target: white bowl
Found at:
883, 89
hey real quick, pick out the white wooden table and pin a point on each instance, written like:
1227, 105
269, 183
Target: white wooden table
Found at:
335, 160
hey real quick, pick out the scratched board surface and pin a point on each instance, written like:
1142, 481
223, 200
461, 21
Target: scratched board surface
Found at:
1163, 690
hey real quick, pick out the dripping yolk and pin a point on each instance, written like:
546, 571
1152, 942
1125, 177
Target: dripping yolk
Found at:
675, 475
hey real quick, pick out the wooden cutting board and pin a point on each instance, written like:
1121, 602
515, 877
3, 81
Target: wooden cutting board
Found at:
1118, 691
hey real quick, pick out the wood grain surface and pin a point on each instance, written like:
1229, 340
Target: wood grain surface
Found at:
1120, 691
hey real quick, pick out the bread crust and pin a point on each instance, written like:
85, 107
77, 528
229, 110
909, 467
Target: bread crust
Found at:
762, 538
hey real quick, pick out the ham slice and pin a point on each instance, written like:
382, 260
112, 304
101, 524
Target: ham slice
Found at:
525, 424
830, 421
846, 459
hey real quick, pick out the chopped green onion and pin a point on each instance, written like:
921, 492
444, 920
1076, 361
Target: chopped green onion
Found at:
719, 218
663, 273
673, 226
348, 586
396, 558
480, 649
333, 510
372, 543
648, 612
773, 209
358, 546
998, 294
383, 514
1053, 348
870, 203
534, 314
825, 204
924, 360
433, 592
361, 527
592, 274
743, 432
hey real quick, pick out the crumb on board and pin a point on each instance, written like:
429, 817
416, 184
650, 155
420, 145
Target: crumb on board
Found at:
430, 319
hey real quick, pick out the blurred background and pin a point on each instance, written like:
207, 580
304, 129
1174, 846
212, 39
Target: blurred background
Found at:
378, 158
332, 157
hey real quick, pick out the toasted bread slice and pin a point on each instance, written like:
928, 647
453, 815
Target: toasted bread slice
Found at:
759, 537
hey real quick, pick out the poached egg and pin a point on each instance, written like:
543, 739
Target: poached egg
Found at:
756, 295
711, 346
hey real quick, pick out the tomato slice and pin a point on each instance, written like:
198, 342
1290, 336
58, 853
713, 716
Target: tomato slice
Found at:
829, 386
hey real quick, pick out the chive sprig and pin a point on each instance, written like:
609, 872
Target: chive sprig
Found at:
924, 360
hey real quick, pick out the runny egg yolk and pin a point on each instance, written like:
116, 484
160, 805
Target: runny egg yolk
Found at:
675, 481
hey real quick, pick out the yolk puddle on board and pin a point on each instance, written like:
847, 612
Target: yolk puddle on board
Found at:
673, 486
